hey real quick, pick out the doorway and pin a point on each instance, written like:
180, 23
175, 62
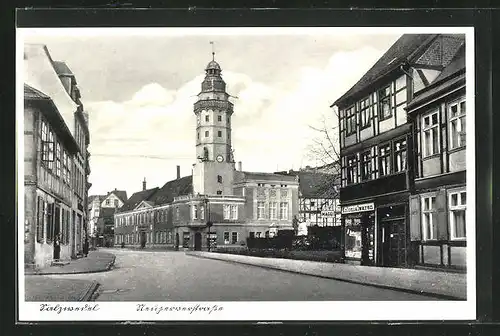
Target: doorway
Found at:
393, 242
177, 241
143, 239
197, 241
57, 233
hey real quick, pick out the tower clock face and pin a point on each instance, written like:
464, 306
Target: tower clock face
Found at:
220, 158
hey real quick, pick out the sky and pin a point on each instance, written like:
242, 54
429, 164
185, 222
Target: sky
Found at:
139, 87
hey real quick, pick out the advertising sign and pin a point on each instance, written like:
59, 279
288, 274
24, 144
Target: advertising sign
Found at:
328, 213
358, 208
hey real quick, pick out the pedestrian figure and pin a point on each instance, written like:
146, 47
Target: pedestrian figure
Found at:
57, 247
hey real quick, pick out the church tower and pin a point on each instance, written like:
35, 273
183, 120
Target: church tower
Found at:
213, 173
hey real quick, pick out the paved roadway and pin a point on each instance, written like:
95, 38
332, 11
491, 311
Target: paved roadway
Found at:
175, 276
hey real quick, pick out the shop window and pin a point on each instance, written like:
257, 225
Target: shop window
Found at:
457, 215
365, 113
366, 166
234, 237
400, 155
430, 134
273, 210
260, 210
457, 124
352, 169
384, 158
226, 237
350, 121
384, 103
353, 247
284, 210
429, 218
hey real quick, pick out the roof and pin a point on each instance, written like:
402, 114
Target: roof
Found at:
93, 197
121, 194
213, 65
318, 185
404, 50
32, 93
137, 198
62, 68
174, 188
451, 77
268, 176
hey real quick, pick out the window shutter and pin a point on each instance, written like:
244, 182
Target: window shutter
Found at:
415, 215
442, 215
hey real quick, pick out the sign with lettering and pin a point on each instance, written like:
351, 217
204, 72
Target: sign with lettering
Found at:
358, 208
328, 213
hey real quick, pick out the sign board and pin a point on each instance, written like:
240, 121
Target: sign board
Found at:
358, 208
328, 213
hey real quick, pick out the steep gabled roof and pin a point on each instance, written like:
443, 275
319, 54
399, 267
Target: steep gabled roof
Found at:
318, 185
62, 68
453, 76
405, 49
32, 93
174, 188
268, 177
137, 198
121, 194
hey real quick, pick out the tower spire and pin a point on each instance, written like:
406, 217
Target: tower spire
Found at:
213, 51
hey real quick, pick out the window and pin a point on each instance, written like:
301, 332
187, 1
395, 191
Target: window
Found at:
219, 192
116, 203
234, 212
219, 118
219, 179
364, 113
384, 103
252, 234
458, 209
430, 134
202, 212
177, 213
226, 211
207, 118
366, 166
457, 124
384, 160
429, 225
273, 211
58, 159
283, 210
206, 134
234, 237
400, 155
108, 202
260, 210
198, 136
258, 234
219, 134
195, 212
40, 224
352, 169
350, 121
226, 237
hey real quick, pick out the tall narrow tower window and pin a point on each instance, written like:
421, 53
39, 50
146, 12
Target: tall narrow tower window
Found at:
198, 136
206, 134
207, 118
219, 118
219, 134
219, 179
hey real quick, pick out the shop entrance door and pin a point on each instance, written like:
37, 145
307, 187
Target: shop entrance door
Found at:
393, 243
197, 241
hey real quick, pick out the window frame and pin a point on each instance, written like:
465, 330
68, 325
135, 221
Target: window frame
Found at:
234, 241
261, 207
403, 151
352, 167
385, 158
284, 207
381, 99
457, 118
194, 211
273, 210
226, 211
350, 120
226, 242
455, 208
234, 211
432, 212
365, 113
364, 163
430, 129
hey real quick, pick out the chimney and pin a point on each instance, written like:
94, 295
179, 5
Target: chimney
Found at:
178, 172
239, 166
144, 184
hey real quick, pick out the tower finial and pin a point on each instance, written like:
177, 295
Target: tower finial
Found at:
213, 51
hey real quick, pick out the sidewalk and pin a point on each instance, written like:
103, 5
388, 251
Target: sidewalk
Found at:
438, 284
96, 261
41, 288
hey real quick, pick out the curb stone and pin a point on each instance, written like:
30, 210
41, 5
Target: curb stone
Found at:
407, 290
89, 293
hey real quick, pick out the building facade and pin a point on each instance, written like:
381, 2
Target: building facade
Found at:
217, 202
438, 205
101, 209
377, 173
56, 160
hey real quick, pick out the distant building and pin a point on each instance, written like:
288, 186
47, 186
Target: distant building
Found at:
319, 189
217, 199
101, 211
376, 136
438, 207
56, 137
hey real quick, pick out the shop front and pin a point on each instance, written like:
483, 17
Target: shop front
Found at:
358, 223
